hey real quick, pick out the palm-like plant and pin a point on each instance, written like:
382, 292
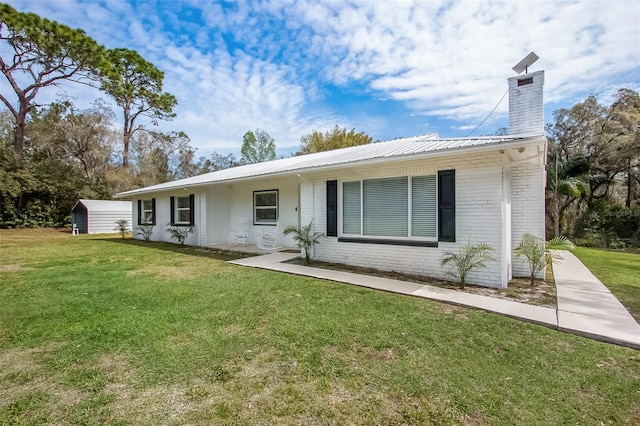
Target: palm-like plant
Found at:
540, 254
467, 258
304, 237
180, 233
123, 226
145, 231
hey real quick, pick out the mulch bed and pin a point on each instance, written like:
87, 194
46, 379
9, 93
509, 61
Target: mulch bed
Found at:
542, 293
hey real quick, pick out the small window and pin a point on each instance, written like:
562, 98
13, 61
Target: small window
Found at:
147, 212
265, 207
182, 210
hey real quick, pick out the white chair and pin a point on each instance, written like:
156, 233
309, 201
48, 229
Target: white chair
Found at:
240, 235
74, 229
268, 239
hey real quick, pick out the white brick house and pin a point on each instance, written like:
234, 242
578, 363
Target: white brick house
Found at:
392, 205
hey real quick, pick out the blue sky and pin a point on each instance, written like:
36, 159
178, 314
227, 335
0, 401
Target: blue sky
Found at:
388, 68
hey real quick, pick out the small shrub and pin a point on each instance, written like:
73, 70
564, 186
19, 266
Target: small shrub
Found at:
540, 254
123, 226
145, 231
617, 244
180, 233
304, 237
467, 258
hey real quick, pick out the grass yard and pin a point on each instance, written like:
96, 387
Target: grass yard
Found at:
96, 330
619, 271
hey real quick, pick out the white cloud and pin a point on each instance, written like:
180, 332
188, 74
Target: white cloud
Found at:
445, 58
271, 64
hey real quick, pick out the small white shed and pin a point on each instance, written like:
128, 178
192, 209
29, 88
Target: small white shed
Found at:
100, 216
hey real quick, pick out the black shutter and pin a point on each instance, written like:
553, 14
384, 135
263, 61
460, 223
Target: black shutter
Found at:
139, 212
153, 211
447, 205
332, 208
172, 206
192, 210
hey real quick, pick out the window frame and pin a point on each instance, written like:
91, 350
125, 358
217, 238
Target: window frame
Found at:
147, 213
275, 207
175, 210
183, 209
142, 216
410, 239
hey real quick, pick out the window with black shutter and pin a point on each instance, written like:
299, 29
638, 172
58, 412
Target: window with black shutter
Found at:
147, 212
332, 208
182, 210
447, 205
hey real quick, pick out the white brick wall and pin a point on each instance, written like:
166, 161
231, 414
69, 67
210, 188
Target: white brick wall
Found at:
163, 216
479, 212
217, 208
527, 208
526, 109
478, 218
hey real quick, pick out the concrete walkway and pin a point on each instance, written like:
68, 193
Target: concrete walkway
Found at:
585, 306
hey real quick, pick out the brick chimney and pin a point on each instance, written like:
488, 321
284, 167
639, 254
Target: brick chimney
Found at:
526, 110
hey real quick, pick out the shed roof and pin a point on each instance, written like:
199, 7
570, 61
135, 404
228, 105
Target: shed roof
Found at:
105, 205
429, 145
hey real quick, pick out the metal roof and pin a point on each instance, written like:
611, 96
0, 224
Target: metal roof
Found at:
397, 149
105, 205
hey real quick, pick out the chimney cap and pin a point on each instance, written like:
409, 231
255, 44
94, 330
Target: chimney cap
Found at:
525, 63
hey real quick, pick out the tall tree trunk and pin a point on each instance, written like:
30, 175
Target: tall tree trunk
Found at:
125, 152
556, 218
126, 138
629, 183
18, 138
18, 135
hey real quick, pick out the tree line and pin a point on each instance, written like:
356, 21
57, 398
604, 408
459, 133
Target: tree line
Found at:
593, 172
52, 155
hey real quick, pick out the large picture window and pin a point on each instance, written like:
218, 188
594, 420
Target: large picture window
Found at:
265, 207
399, 207
182, 210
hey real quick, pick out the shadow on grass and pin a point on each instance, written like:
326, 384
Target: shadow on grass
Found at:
206, 252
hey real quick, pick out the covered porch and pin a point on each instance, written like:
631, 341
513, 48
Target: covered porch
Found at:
255, 208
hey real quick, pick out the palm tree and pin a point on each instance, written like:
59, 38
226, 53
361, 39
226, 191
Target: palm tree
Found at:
467, 258
567, 184
540, 254
304, 237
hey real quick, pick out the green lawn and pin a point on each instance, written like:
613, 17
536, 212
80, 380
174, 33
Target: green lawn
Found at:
619, 271
97, 330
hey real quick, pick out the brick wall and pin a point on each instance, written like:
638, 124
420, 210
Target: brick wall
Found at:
526, 109
527, 208
478, 218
